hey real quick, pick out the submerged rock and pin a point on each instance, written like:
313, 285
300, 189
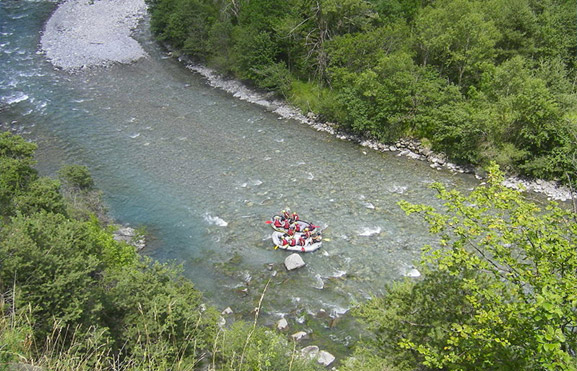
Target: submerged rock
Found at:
294, 261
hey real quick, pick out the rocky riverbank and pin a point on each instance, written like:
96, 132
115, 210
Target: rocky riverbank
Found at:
90, 33
405, 147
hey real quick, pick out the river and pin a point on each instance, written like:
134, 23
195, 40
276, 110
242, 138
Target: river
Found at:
203, 171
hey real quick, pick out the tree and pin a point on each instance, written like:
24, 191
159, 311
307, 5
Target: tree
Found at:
458, 38
43, 194
76, 176
16, 172
499, 290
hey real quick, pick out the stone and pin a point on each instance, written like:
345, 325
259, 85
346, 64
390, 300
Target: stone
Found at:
413, 272
298, 336
221, 322
294, 261
227, 311
310, 352
282, 324
325, 358
130, 236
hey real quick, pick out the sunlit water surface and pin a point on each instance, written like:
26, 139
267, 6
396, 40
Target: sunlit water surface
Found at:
203, 171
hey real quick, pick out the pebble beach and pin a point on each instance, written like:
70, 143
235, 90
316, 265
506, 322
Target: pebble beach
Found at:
91, 33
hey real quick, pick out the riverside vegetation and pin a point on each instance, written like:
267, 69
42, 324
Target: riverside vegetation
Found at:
499, 290
73, 298
481, 81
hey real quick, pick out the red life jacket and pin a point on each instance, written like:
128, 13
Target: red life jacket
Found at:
292, 242
302, 241
297, 227
277, 223
284, 242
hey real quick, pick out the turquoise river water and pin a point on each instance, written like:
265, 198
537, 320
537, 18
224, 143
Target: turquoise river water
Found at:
203, 171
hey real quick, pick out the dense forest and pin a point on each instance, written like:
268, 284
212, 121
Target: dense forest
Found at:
481, 81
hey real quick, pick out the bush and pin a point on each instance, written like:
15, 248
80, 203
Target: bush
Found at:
76, 176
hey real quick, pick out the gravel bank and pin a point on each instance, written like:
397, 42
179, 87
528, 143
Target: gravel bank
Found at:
85, 33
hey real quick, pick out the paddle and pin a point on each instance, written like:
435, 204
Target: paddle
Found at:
268, 222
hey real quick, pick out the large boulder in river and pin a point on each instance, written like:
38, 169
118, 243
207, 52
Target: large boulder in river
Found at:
294, 261
325, 358
310, 352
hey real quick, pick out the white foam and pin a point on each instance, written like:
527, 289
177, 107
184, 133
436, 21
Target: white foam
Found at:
16, 98
339, 274
368, 205
398, 189
319, 284
134, 136
367, 231
215, 220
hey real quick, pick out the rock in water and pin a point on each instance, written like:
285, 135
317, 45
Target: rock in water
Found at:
325, 358
227, 311
301, 335
310, 352
294, 261
282, 324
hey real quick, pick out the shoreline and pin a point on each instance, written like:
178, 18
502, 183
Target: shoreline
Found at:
404, 147
97, 33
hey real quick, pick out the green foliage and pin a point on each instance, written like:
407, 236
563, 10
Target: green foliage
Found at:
310, 97
15, 335
157, 316
255, 51
498, 291
74, 298
441, 41
76, 176
244, 347
53, 260
16, 172
391, 100
43, 194
481, 80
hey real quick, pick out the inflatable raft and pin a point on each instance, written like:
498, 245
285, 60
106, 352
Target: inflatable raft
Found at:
309, 246
301, 223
